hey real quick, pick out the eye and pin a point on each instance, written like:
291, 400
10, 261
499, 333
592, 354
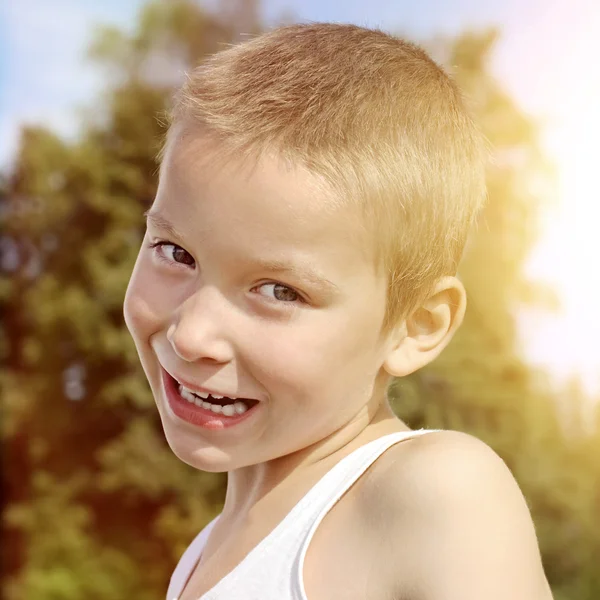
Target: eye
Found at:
172, 253
282, 293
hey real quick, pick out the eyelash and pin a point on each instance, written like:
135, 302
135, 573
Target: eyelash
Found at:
159, 244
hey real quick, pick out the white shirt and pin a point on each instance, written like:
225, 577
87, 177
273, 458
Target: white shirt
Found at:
273, 569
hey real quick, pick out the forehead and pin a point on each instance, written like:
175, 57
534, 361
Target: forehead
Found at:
194, 158
272, 201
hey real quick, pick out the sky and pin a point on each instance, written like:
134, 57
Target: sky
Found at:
547, 59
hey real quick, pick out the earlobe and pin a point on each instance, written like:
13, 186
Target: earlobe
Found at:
428, 329
399, 361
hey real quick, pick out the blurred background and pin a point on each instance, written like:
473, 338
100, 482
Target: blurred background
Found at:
95, 506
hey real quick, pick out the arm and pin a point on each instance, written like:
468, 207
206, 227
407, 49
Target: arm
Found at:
465, 527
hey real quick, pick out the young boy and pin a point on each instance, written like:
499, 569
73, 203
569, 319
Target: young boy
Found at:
316, 188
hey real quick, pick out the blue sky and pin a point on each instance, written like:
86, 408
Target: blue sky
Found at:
44, 76
547, 59
415, 18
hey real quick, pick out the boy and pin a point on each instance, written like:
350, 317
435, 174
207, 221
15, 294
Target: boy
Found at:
316, 188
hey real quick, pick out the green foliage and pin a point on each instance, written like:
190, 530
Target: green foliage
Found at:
481, 383
65, 560
94, 493
98, 507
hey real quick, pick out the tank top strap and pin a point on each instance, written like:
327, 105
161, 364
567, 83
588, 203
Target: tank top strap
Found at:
336, 482
323, 496
273, 569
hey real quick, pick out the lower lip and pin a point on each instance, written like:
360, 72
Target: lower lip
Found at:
196, 415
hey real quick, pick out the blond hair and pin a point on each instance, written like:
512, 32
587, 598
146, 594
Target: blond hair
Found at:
375, 117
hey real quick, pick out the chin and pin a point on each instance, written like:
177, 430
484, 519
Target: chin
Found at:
199, 454
210, 460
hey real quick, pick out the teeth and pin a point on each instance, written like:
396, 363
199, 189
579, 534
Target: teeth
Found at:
201, 394
187, 394
229, 410
240, 408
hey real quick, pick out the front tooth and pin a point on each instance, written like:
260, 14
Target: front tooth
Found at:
228, 410
206, 405
240, 408
216, 408
202, 395
216, 397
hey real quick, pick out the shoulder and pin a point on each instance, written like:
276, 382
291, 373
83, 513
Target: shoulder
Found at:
452, 463
465, 526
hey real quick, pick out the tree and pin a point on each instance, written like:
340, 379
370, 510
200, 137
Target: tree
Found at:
482, 384
82, 435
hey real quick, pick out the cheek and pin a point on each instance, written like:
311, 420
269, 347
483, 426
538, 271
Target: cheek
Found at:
139, 317
320, 353
142, 304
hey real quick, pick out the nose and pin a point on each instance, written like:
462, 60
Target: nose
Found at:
197, 333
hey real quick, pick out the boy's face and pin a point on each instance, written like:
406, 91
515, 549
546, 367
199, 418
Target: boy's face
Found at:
206, 308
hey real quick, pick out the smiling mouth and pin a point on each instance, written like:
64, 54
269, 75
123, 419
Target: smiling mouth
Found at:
217, 404
226, 406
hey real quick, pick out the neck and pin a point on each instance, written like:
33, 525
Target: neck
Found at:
286, 479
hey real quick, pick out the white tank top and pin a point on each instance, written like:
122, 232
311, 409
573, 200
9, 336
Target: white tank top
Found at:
273, 569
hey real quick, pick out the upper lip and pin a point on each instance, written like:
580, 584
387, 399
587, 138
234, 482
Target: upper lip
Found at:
199, 389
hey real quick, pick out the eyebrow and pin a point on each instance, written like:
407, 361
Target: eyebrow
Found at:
161, 223
269, 265
306, 273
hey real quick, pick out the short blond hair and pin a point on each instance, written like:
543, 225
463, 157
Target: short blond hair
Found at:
374, 116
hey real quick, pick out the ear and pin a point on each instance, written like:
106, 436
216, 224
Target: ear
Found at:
428, 330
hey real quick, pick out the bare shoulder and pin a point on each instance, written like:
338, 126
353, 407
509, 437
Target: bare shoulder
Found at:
455, 522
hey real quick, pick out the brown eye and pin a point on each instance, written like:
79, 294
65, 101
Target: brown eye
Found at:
283, 293
182, 256
172, 253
